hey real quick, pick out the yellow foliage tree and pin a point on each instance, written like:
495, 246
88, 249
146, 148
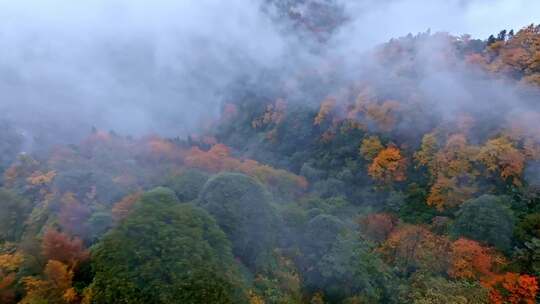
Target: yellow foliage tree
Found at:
9, 265
427, 153
55, 288
500, 155
371, 146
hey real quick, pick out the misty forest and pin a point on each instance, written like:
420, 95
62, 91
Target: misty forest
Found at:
269, 152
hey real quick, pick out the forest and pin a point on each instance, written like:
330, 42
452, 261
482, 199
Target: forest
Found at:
412, 176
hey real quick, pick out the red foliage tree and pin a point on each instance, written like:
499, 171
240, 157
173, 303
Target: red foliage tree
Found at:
60, 247
378, 226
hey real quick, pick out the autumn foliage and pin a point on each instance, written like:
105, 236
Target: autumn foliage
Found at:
415, 246
273, 115
371, 147
388, 166
326, 108
122, 208
470, 260
377, 226
500, 155
9, 265
60, 247
55, 288
415, 195
512, 288
219, 158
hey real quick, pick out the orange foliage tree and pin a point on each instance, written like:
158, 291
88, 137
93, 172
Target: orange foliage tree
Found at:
512, 288
371, 111
384, 114
39, 178
214, 160
415, 246
218, 159
274, 114
163, 150
470, 260
122, 208
448, 192
20, 171
388, 166
451, 169
9, 265
519, 55
327, 106
56, 288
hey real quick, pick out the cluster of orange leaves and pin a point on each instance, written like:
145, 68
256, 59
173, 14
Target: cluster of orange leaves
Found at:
122, 208
366, 110
371, 110
64, 254
327, 106
274, 114
39, 178
452, 167
519, 55
61, 247
377, 226
412, 245
161, 149
470, 260
448, 192
25, 166
388, 166
57, 285
219, 158
460, 259
9, 264
512, 288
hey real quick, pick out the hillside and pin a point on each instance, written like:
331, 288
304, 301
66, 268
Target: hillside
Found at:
408, 176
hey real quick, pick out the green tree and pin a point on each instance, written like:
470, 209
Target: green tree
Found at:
242, 209
528, 257
486, 219
528, 228
10, 145
165, 252
426, 289
13, 213
351, 269
188, 184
